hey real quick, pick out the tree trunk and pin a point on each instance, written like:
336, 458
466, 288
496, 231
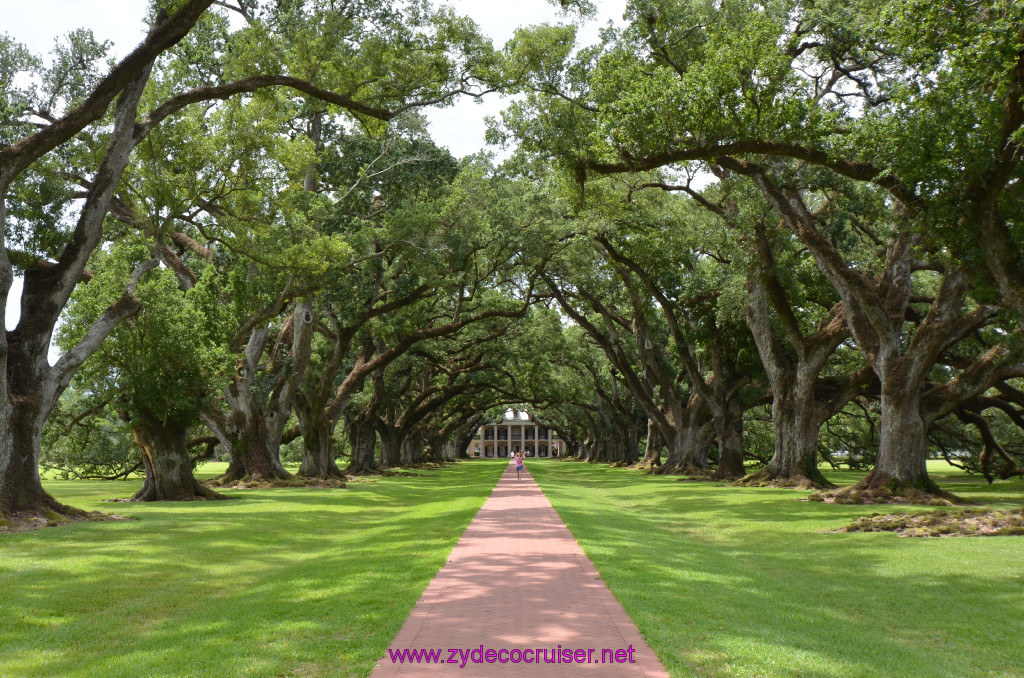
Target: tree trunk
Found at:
412, 451
796, 414
220, 424
390, 447
463, 438
258, 449
168, 467
21, 491
29, 385
729, 432
317, 446
573, 449
363, 439
690, 442
652, 448
901, 471
796, 419
621, 448
902, 452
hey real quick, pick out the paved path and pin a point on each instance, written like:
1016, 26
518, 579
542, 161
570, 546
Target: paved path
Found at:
518, 580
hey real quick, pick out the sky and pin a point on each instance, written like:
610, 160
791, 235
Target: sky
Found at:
37, 24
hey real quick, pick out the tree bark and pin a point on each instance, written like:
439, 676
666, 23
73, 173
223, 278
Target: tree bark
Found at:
258, 449
262, 395
793, 375
652, 448
796, 423
20, 488
729, 433
31, 385
690, 442
391, 444
168, 467
317, 446
363, 439
902, 450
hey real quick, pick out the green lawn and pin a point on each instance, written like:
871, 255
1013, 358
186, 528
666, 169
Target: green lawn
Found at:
277, 583
722, 581
727, 581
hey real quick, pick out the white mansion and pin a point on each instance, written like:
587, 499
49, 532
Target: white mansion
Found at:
516, 431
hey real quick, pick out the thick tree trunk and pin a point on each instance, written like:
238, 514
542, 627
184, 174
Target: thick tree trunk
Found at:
796, 422
901, 472
652, 448
463, 438
902, 452
21, 491
729, 433
682, 452
262, 395
390, 447
29, 385
168, 467
793, 375
631, 444
259, 451
796, 419
412, 451
318, 447
363, 439
690, 442
574, 449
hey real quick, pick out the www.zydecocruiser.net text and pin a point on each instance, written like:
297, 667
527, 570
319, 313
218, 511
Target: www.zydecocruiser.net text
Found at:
462, 656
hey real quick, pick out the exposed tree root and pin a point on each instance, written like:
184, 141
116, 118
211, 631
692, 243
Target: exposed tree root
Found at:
194, 491
260, 482
880, 488
962, 523
35, 519
235, 478
645, 465
684, 469
763, 478
364, 472
202, 493
722, 474
228, 479
897, 494
332, 473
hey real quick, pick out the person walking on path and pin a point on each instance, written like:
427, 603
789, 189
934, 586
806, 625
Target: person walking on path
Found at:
519, 465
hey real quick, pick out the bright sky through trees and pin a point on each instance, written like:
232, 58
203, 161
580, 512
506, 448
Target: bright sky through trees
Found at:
459, 127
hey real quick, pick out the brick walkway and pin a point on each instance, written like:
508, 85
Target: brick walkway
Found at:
518, 580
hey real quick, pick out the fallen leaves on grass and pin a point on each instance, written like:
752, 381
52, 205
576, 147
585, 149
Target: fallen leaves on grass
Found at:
962, 523
27, 521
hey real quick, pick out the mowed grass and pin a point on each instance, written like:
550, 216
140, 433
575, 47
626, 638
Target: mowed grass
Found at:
728, 581
286, 582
